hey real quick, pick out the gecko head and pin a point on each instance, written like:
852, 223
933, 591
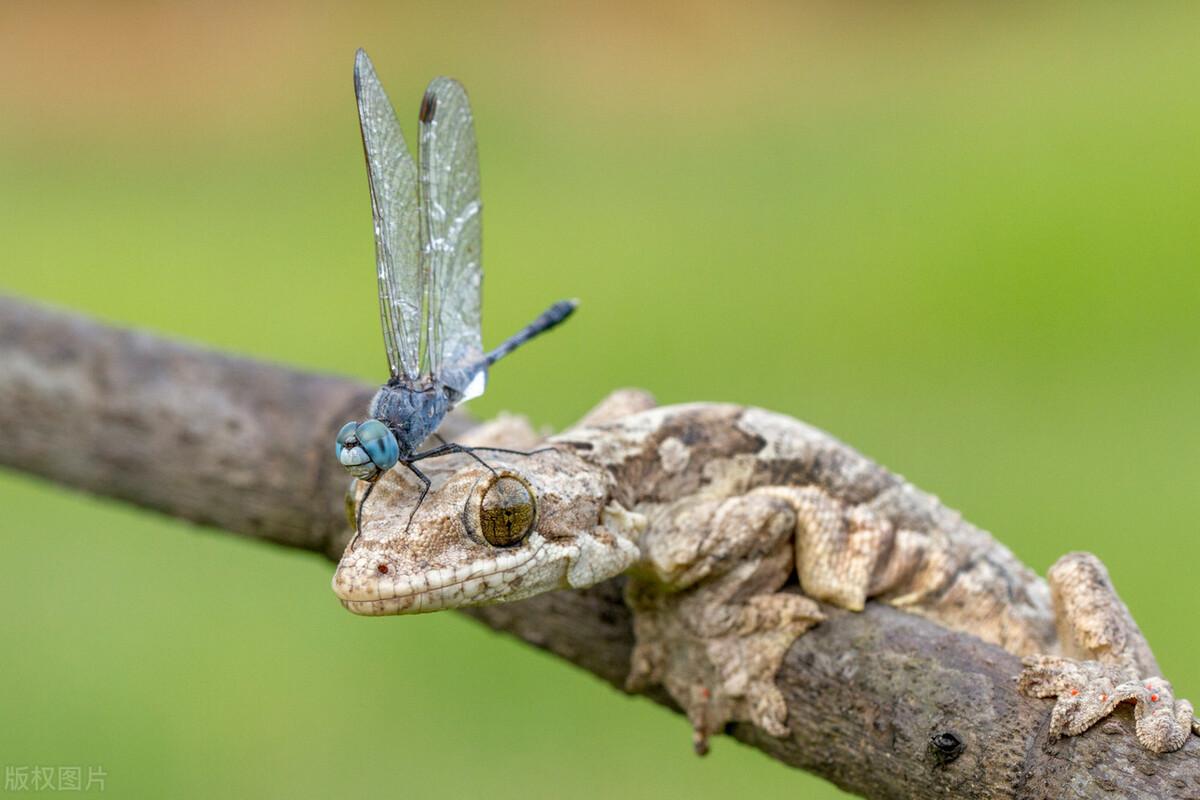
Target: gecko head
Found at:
486, 534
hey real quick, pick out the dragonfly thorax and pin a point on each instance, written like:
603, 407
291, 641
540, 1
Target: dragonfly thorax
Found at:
411, 413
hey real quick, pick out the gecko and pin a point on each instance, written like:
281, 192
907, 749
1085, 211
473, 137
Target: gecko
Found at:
732, 525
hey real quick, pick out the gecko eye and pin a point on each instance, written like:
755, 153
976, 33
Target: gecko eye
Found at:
351, 503
506, 511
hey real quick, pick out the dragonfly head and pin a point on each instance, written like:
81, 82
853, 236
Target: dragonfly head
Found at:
367, 449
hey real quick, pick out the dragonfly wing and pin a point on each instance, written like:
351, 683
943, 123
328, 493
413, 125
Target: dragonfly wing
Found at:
393, 179
451, 213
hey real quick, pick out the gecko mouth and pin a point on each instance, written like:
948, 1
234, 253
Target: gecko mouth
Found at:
364, 589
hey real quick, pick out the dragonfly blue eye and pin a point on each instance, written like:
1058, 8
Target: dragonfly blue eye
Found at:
345, 433
380, 444
366, 450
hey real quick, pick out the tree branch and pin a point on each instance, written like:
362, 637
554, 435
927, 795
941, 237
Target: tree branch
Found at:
245, 446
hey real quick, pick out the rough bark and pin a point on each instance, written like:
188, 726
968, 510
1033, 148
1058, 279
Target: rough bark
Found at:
245, 446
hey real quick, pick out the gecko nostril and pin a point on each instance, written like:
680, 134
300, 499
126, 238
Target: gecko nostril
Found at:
383, 569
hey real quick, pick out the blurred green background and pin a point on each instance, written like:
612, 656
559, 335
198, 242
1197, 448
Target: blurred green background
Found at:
962, 238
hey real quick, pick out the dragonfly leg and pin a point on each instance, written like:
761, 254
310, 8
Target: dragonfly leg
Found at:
358, 515
424, 490
445, 448
510, 452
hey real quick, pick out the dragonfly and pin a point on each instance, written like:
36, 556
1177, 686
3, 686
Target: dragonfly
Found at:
427, 257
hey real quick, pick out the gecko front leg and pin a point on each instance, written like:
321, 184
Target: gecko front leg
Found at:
710, 622
1108, 662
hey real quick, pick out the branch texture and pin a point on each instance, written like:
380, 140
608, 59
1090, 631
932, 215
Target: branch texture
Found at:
245, 446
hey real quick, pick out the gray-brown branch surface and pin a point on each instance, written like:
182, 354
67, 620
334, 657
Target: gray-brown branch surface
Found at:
170, 427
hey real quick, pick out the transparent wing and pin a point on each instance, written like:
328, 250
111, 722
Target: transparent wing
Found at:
451, 212
393, 179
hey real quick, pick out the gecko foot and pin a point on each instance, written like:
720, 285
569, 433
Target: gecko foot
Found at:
722, 669
1088, 691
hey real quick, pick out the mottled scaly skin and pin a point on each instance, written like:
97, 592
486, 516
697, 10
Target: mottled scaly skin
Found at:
732, 523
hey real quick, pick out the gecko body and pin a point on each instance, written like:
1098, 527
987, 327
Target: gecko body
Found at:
733, 524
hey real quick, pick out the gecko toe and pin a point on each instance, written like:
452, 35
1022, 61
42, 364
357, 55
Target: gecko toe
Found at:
1087, 691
